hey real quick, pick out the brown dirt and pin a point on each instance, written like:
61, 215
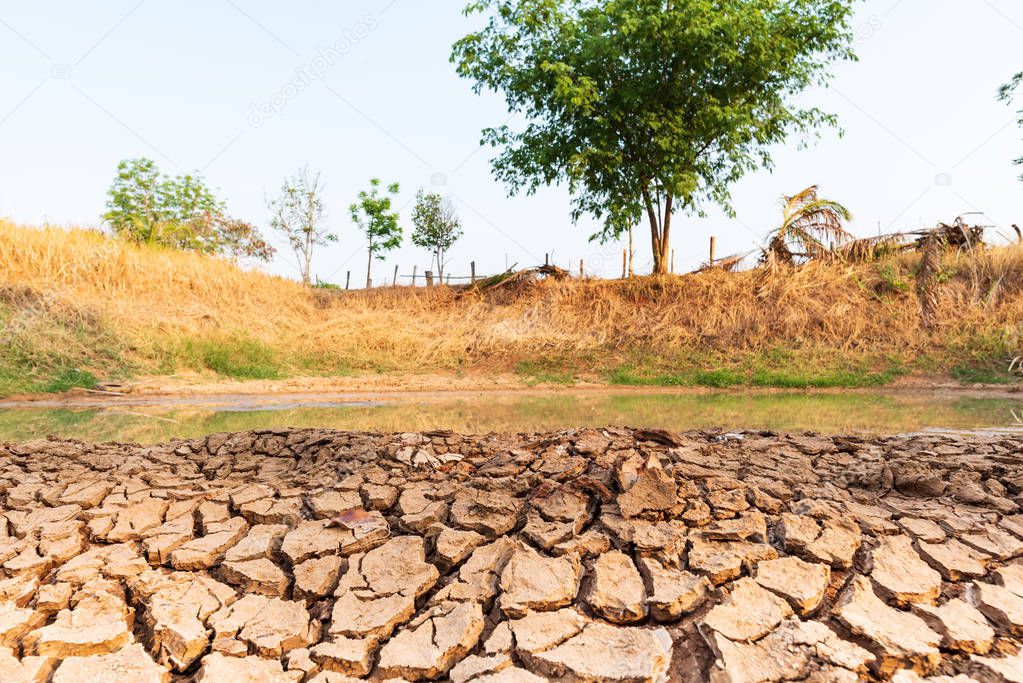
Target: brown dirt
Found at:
613, 554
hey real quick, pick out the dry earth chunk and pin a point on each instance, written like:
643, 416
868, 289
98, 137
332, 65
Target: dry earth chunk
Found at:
901, 575
654, 490
207, 551
259, 576
131, 664
902, 639
795, 650
452, 546
961, 626
616, 592
834, 541
609, 653
672, 591
268, 626
27, 669
722, 561
379, 590
1003, 607
217, 668
953, 560
315, 579
748, 613
319, 538
1008, 669
490, 513
99, 623
178, 606
801, 583
349, 656
429, 646
263, 540
531, 581
16, 621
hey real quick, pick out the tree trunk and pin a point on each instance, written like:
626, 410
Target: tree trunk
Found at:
631, 253
665, 241
369, 266
660, 230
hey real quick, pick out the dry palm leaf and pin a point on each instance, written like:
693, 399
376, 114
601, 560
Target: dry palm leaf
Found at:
872, 248
809, 226
728, 263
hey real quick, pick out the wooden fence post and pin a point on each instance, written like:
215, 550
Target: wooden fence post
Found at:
546, 259
632, 253
625, 262
429, 278
672, 261
414, 275
394, 282
581, 275
713, 243
348, 279
472, 271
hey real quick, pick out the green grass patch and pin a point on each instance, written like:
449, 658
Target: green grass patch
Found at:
983, 374
237, 358
50, 348
985, 358
70, 378
544, 371
824, 380
722, 378
775, 368
627, 375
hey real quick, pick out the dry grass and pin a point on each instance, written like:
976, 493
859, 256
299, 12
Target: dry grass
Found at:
164, 310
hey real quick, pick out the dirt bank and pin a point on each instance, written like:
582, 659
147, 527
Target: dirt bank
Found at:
77, 308
583, 555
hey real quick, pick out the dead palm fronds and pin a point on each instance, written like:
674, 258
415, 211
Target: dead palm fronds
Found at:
809, 224
872, 248
728, 263
958, 235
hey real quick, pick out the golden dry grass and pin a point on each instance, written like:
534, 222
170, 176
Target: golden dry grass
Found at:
158, 306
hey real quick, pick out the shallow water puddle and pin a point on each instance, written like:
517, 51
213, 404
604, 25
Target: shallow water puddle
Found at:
153, 419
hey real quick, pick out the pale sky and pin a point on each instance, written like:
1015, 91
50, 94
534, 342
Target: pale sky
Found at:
84, 85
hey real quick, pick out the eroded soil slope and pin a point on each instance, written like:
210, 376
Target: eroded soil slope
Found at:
590, 555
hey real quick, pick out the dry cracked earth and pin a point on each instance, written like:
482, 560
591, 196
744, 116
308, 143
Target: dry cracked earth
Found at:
589, 555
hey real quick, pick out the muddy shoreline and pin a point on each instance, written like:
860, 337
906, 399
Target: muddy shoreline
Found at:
170, 390
228, 394
592, 554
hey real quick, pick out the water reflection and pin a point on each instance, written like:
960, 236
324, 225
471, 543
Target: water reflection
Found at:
798, 411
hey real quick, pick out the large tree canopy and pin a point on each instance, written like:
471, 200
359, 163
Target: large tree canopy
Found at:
649, 107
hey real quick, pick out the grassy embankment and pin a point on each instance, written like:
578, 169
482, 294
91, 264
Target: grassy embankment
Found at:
77, 307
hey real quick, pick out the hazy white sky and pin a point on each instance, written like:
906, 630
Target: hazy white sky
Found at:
246, 91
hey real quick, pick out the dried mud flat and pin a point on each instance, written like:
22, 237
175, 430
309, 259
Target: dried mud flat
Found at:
589, 555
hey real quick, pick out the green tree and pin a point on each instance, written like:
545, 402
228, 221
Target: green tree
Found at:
372, 213
649, 107
1006, 94
808, 224
148, 207
298, 214
437, 226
